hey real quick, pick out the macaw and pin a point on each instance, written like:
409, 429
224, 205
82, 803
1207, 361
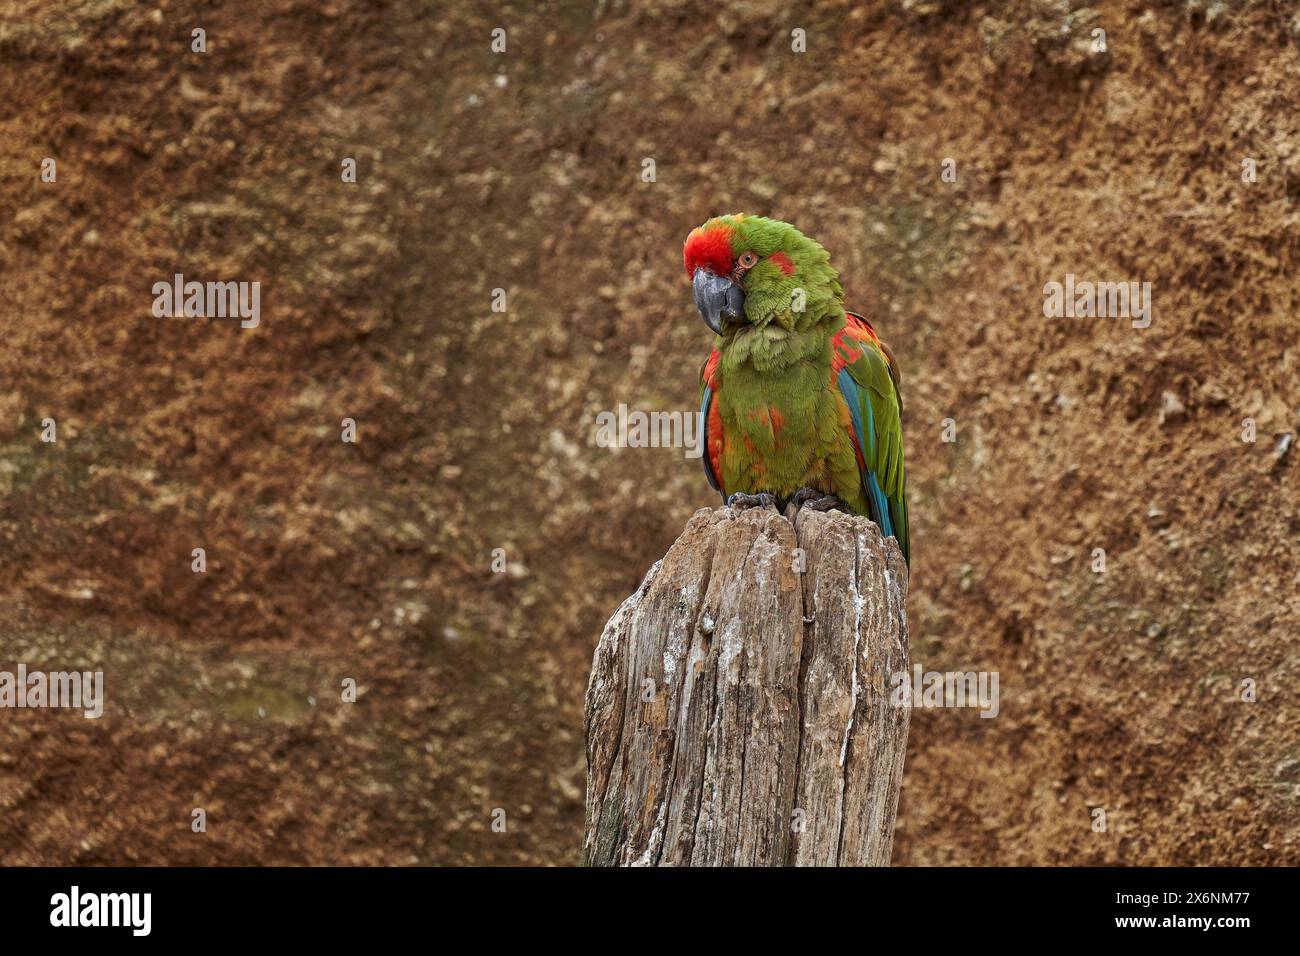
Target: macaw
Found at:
799, 399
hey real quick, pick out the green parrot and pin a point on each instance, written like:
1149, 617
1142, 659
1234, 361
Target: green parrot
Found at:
800, 400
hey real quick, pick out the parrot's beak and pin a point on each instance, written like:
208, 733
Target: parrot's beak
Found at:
717, 298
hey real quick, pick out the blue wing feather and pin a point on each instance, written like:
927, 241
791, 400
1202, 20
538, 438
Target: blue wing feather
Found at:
866, 441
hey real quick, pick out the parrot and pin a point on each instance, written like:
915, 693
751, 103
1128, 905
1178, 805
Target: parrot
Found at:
799, 400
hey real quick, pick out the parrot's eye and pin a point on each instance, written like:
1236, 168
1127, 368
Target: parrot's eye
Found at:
747, 260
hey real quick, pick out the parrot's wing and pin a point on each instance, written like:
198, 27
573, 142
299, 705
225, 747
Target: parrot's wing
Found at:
868, 380
711, 422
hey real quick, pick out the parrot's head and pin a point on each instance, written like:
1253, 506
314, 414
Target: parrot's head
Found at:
759, 273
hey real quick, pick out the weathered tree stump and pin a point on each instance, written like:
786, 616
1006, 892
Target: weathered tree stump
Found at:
739, 711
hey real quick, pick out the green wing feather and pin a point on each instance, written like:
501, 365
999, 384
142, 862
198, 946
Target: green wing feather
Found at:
881, 412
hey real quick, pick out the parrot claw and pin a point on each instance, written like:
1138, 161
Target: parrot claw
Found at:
743, 502
813, 500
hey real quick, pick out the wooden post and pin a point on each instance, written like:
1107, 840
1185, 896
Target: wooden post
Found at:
740, 710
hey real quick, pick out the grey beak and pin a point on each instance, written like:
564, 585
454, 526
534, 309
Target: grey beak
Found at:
716, 298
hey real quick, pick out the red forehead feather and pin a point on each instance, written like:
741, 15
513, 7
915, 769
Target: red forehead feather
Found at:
708, 248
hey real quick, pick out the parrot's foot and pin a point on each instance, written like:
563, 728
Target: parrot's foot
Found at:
743, 502
813, 500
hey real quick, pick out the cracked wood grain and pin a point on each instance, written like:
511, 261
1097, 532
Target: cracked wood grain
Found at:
738, 712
